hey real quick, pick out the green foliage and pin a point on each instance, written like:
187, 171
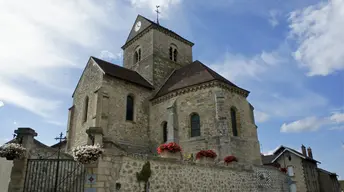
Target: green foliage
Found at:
145, 173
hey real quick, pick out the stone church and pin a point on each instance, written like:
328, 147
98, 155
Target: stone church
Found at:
161, 95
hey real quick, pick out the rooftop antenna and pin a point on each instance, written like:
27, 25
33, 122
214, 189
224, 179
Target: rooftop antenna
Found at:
157, 14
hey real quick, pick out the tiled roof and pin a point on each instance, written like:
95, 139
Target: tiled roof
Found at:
122, 73
191, 74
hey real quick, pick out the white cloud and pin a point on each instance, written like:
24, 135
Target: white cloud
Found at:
164, 8
319, 31
236, 66
337, 117
306, 124
314, 123
273, 14
1, 104
108, 56
261, 117
43, 40
270, 152
57, 123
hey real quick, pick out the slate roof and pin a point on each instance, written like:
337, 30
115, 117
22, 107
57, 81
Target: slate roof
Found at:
191, 74
268, 159
327, 172
122, 73
153, 24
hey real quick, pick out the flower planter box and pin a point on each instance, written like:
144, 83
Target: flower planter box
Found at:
205, 160
167, 154
87, 154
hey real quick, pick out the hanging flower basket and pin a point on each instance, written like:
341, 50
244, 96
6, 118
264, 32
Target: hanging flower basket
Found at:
12, 151
87, 154
230, 159
169, 150
206, 156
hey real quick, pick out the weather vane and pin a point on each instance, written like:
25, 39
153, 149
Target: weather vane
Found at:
157, 14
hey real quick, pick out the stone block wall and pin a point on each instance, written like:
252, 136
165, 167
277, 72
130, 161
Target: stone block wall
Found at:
145, 66
204, 102
114, 124
296, 163
90, 81
172, 175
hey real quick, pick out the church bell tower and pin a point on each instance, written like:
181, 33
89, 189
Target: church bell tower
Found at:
155, 51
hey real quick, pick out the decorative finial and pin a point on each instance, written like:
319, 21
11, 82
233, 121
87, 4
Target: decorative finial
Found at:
157, 14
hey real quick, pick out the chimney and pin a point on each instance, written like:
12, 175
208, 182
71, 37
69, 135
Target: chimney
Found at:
303, 149
310, 154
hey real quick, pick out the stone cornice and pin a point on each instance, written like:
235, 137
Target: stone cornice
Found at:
161, 29
197, 87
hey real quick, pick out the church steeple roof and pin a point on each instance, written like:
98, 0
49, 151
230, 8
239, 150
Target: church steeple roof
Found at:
147, 24
193, 74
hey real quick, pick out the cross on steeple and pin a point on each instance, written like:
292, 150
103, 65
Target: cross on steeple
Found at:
157, 14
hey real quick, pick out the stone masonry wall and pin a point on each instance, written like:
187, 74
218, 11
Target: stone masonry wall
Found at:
90, 82
145, 66
172, 175
296, 163
163, 66
202, 102
115, 125
311, 176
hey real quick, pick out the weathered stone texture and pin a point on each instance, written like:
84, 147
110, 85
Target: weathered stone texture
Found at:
311, 176
117, 128
145, 66
163, 65
296, 163
169, 175
90, 81
203, 102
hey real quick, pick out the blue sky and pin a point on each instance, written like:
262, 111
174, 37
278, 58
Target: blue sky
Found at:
289, 54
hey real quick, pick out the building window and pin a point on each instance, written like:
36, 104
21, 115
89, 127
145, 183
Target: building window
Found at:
290, 171
137, 55
195, 125
234, 122
173, 53
85, 109
164, 131
130, 108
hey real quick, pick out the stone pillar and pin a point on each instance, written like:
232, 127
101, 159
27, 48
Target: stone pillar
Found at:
172, 130
95, 133
223, 138
101, 111
95, 173
26, 137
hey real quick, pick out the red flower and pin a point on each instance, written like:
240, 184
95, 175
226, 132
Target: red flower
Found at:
284, 170
171, 147
230, 159
206, 153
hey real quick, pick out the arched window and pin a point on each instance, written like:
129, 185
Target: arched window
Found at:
173, 52
234, 122
130, 108
164, 131
85, 109
195, 125
137, 55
